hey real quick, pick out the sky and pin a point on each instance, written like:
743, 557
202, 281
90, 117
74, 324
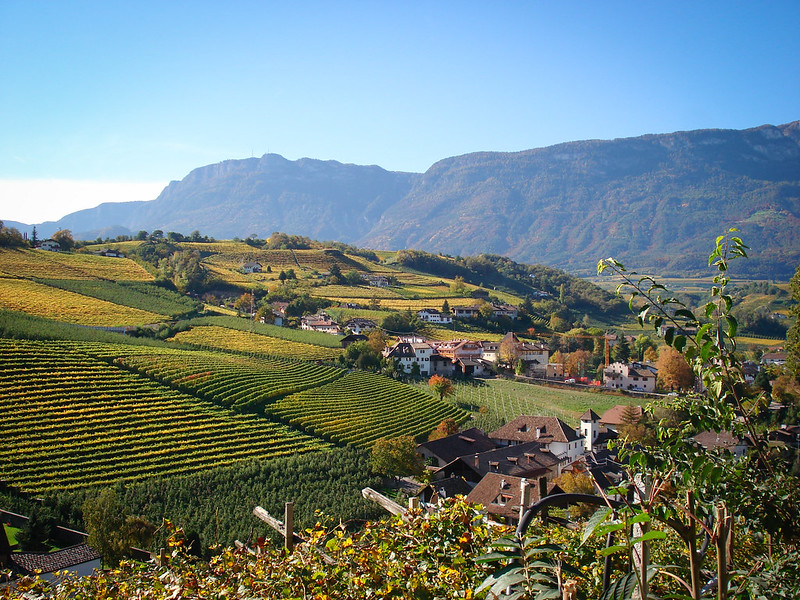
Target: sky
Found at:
109, 101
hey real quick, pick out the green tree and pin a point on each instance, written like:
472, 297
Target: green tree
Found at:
621, 352
641, 344
445, 307
104, 518
793, 335
64, 239
396, 457
458, 287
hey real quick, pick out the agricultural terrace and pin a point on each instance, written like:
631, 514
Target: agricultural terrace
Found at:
62, 305
212, 336
242, 383
72, 421
508, 399
315, 338
360, 408
43, 265
144, 296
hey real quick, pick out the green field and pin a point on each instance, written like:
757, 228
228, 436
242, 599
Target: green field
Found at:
505, 399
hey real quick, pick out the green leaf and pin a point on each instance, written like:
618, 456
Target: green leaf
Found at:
622, 589
598, 517
642, 517
611, 549
650, 535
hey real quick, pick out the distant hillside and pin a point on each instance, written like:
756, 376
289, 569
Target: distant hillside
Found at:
652, 201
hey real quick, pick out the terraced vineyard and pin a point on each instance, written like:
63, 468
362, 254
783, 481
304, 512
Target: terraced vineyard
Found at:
46, 265
242, 383
71, 420
212, 336
361, 408
38, 299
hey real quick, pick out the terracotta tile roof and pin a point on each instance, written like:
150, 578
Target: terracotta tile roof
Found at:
711, 440
49, 562
523, 429
613, 416
500, 494
590, 415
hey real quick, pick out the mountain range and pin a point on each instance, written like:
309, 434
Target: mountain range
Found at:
655, 201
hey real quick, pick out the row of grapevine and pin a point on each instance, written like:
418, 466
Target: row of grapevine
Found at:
38, 299
71, 420
224, 338
243, 383
362, 407
144, 296
43, 265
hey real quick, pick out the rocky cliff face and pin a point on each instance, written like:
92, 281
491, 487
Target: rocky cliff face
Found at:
653, 201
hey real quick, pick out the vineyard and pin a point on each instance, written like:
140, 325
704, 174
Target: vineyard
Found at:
304, 336
143, 296
242, 383
223, 338
72, 421
506, 400
62, 305
360, 408
44, 265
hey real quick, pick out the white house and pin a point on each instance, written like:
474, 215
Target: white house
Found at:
622, 376
50, 246
431, 315
321, 322
551, 432
251, 267
466, 312
410, 353
360, 326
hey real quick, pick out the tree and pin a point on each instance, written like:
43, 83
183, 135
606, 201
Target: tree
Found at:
445, 308
441, 386
34, 238
282, 276
674, 373
786, 390
486, 310
621, 352
445, 428
557, 323
396, 457
651, 355
576, 363
557, 357
377, 340
641, 344
632, 428
458, 287
64, 239
243, 303
353, 277
508, 351
793, 335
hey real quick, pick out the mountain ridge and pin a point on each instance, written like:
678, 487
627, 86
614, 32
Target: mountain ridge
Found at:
648, 200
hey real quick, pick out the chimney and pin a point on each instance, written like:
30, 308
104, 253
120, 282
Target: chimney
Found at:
542, 487
477, 462
526, 495
538, 432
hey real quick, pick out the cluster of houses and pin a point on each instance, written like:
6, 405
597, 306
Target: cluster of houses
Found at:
518, 464
508, 469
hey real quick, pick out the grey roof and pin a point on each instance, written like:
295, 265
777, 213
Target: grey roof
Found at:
469, 442
49, 562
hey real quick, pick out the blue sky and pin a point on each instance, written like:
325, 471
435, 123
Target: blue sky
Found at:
108, 101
